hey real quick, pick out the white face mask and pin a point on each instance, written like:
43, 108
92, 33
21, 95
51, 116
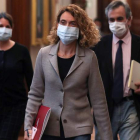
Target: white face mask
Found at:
118, 28
5, 33
67, 34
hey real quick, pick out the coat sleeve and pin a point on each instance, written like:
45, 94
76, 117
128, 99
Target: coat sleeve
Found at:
36, 93
28, 69
98, 100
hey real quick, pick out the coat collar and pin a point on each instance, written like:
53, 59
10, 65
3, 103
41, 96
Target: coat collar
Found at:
80, 52
54, 49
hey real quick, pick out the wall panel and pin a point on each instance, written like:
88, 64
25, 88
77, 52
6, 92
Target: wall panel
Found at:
135, 8
21, 13
102, 4
2, 5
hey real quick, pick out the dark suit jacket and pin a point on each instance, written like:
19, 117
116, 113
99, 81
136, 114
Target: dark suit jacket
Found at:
103, 51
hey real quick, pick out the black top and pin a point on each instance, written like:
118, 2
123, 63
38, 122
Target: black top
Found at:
64, 66
15, 65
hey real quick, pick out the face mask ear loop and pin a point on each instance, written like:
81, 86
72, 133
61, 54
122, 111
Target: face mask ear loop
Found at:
127, 22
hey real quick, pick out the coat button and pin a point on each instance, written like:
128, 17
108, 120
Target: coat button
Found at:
65, 121
61, 90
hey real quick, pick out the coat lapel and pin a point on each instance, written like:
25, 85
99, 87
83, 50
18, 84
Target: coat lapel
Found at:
53, 57
109, 56
77, 61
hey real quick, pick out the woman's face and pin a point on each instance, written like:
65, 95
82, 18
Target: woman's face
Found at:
67, 19
4, 23
5, 30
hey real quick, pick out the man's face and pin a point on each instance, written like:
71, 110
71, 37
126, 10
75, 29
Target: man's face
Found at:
119, 15
98, 23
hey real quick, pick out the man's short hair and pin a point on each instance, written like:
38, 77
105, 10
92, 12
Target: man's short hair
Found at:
116, 4
97, 19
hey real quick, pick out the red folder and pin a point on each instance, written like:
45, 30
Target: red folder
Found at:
41, 121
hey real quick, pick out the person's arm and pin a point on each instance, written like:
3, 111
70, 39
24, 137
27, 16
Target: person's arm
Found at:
98, 101
36, 93
28, 69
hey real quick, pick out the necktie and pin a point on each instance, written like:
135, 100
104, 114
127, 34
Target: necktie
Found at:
117, 91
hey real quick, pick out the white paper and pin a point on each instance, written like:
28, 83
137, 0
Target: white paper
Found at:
34, 130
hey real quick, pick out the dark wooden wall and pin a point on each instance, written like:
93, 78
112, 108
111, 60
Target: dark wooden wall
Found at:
81, 3
135, 8
21, 13
102, 4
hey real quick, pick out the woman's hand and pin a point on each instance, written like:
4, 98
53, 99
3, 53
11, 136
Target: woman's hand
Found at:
28, 134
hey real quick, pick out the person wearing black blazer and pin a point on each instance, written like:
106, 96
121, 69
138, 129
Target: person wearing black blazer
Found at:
124, 107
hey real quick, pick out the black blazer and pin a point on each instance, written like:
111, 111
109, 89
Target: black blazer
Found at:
103, 51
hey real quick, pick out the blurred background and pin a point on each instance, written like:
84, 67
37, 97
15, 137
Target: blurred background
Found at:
33, 19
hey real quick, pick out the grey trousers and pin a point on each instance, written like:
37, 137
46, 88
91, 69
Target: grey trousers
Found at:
83, 137
124, 122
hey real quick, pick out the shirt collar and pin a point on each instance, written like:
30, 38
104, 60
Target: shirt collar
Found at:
125, 40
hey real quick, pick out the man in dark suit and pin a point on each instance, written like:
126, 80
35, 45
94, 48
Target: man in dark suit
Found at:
114, 53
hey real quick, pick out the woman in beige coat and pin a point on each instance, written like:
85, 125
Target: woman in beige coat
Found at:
65, 73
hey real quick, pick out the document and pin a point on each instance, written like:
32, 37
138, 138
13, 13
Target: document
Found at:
134, 75
40, 122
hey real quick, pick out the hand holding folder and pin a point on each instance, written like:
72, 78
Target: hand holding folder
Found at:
137, 91
40, 122
134, 76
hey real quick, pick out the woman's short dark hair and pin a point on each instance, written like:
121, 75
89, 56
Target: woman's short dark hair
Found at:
8, 17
